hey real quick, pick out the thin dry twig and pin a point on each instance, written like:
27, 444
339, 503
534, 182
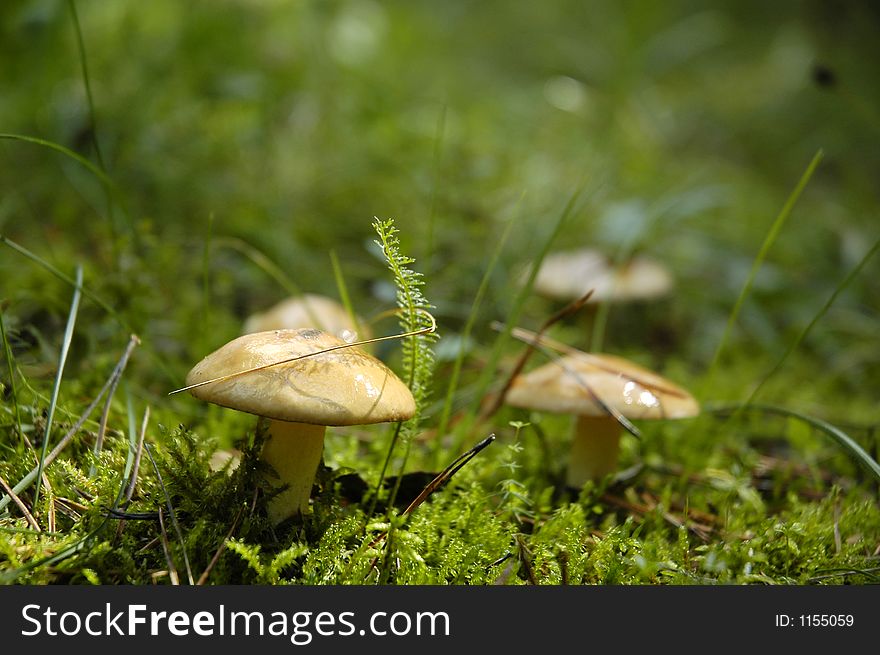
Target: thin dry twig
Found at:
439, 480
204, 576
71, 507
166, 548
505, 574
498, 399
45, 481
102, 424
563, 566
132, 483
21, 506
137, 456
444, 476
528, 336
525, 558
172, 515
838, 543
537, 342
149, 545
650, 505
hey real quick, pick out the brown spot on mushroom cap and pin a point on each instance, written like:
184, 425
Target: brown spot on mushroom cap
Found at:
307, 310
571, 384
341, 387
570, 274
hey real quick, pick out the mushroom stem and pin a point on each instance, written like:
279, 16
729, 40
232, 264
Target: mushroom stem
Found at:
594, 449
294, 451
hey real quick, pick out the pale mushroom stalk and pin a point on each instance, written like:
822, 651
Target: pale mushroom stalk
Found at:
293, 450
594, 449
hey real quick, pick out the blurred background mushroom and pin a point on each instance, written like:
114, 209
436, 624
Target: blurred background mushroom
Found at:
309, 310
568, 275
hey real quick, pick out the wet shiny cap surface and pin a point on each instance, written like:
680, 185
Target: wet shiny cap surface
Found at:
572, 384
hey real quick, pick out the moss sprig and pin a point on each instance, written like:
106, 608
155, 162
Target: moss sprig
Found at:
418, 355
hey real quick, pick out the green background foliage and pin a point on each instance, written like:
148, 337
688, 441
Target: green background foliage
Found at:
239, 143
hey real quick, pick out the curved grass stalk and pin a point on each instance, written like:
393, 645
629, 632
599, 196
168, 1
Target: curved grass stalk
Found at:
62, 359
262, 262
769, 240
7, 350
822, 311
846, 442
446, 411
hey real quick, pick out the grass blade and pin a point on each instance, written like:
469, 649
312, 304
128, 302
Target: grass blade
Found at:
64, 278
822, 311
67, 152
206, 281
488, 374
440, 132
261, 260
847, 443
93, 129
446, 412
65, 347
81, 46
28, 479
7, 349
769, 240
343, 290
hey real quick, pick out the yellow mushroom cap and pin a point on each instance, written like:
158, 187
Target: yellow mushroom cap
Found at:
570, 274
307, 310
341, 387
571, 385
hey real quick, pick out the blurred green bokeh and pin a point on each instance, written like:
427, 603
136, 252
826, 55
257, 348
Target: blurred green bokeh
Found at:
289, 125
248, 141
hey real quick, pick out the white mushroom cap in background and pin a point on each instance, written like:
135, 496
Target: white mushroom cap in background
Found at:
570, 274
307, 310
571, 384
342, 387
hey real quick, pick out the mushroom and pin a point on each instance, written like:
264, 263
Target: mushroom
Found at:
227, 460
307, 310
299, 398
594, 387
570, 274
